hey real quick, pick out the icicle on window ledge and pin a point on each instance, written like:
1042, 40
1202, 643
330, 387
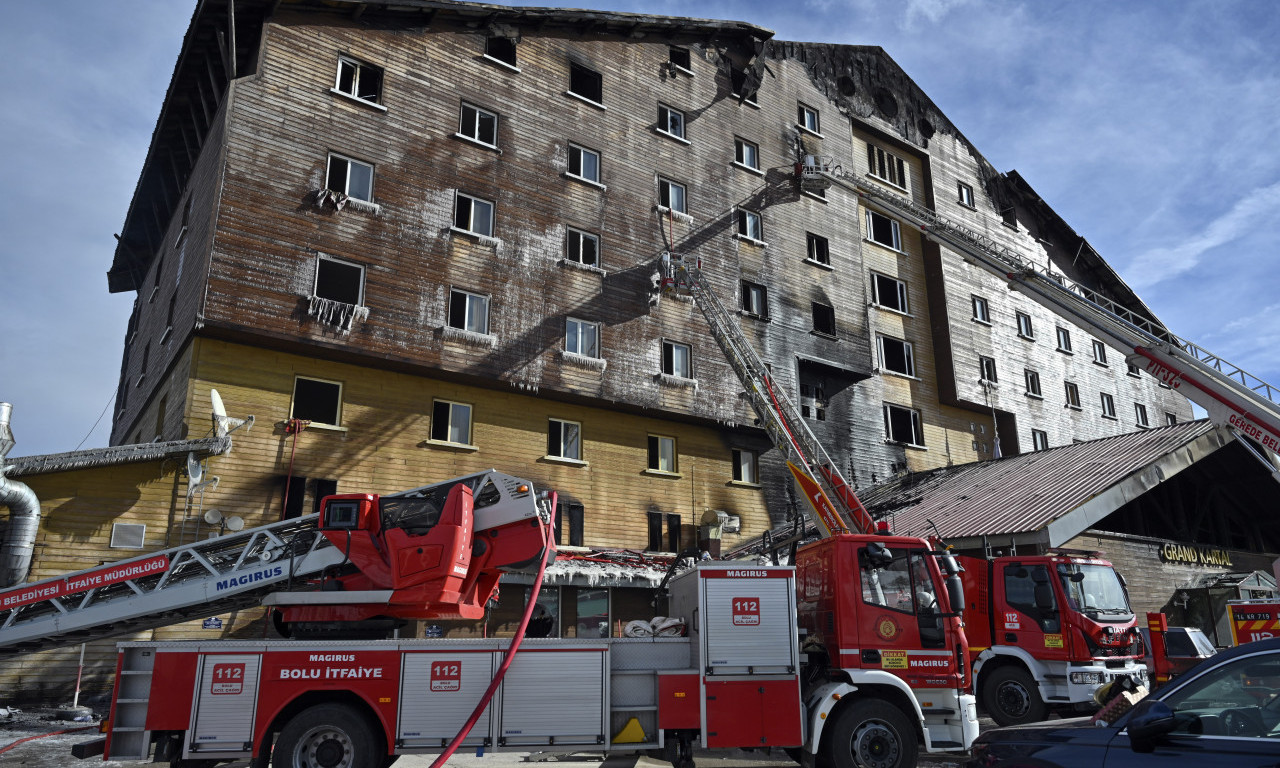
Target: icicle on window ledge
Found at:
472, 338
338, 314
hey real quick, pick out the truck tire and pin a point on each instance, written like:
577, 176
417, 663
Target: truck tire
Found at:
327, 736
870, 734
1010, 695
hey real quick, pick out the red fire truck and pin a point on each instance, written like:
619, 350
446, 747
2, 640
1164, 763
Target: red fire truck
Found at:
1047, 631
1253, 620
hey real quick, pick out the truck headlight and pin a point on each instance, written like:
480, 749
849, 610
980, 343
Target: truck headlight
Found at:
1088, 678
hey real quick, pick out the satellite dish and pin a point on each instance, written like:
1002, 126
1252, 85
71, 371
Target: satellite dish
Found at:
219, 413
235, 523
195, 472
213, 517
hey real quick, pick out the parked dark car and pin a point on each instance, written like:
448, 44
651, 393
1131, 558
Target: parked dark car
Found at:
1224, 712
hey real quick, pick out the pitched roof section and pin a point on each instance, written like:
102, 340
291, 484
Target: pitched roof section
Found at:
1046, 496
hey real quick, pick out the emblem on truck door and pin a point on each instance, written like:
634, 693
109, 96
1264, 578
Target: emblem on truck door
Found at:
887, 628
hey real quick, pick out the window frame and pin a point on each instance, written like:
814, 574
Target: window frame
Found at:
1100, 353
1026, 329
578, 335
901, 293
468, 297
817, 249
908, 355
746, 466
581, 152
576, 71
1108, 405
315, 285
665, 186
747, 221
1032, 379
964, 194
741, 155
828, 312
473, 131
581, 236
987, 369
669, 117
458, 197
669, 359
490, 55
981, 309
886, 166
556, 431
1064, 340
1140, 416
349, 161
803, 113
680, 58
754, 299
895, 230
448, 427
655, 454
337, 406
917, 425
1039, 440
354, 94
1073, 395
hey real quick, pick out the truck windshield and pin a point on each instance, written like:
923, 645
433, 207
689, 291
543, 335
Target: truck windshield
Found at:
1094, 590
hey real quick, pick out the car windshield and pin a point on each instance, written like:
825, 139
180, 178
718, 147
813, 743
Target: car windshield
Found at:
1094, 589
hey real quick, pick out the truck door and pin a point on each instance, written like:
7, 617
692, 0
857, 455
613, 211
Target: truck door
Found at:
900, 625
1029, 615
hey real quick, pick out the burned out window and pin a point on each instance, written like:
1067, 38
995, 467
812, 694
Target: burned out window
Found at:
359, 80
671, 541
743, 87
569, 520
886, 166
1073, 395
586, 83
818, 249
478, 124
746, 466
824, 319
813, 401
317, 401
501, 49
350, 177
883, 230
902, 425
680, 58
987, 369
581, 247
338, 280
896, 355
889, 293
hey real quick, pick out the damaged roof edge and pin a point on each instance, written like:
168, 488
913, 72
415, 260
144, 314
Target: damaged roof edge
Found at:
27, 466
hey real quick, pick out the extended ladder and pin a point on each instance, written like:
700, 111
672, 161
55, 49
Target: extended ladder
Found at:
1230, 395
187, 582
815, 472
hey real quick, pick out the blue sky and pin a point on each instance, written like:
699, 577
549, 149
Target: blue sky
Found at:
1148, 126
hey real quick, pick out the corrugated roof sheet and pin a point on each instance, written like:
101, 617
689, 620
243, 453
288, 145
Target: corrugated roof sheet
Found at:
1024, 493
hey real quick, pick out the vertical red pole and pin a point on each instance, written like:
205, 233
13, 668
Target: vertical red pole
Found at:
1157, 625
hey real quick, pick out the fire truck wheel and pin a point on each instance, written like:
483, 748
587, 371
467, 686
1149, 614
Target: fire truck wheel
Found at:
870, 734
327, 736
1010, 695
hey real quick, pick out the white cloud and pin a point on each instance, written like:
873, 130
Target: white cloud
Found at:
930, 10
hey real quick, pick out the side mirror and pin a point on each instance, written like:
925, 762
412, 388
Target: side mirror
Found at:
1043, 596
955, 593
878, 555
1150, 722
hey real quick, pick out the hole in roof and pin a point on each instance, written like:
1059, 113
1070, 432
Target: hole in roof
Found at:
886, 103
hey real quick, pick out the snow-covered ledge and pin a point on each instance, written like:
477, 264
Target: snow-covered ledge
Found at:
571, 264
584, 361
677, 215
341, 200
680, 382
471, 338
338, 314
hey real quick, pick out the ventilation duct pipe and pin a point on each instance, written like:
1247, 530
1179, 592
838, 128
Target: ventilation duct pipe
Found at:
24, 514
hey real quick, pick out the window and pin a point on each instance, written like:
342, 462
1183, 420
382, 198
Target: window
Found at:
468, 311
1064, 339
582, 247
895, 355
755, 299
677, 359
662, 453
902, 425
1073, 395
987, 369
359, 80
501, 49
743, 88
1140, 414
886, 166
451, 422
1033, 382
582, 337
1099, 352
981, 312
680, 58
813, 401
746, 466
471, 214
586, 83
670, 121
478, 125
671, 195
1170, 419
964, 194
1039, 440
564, 439
1024, 326
317, 401
339, 281
883, 230
750, 225
824, 319
745, 153
657, 543
569, 518
1108, 406
584, 163
350, 177
1219, 712
807, 118
819, 248
889, 292
1134, 370
1009, 217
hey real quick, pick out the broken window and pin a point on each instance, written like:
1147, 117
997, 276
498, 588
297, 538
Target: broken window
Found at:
582, 337
902, 425
1039, 440
896, 355
474, 215
750, 225
889, 292
350, 177
1033, 382
582, 247
478, 124
1108, 406
1073, 395
677, 359
987, 369
468, 311
1024, 326
681, 59
746, 154
813, 401
755, 299
672, 195
824, 319
662, 453
1140, 414
819, 248
886, 166
317, 401
746, 466
584, 163
1169, 419
586, 83
359, 80
981, 312
964, 194
451, 422
670, 121
743, 87
1099, 352
1064, 339
501, 49
339, 281
807, 118
883, 230
569, 519
564, 439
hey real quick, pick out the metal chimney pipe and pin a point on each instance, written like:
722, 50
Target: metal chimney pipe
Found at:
24, 514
